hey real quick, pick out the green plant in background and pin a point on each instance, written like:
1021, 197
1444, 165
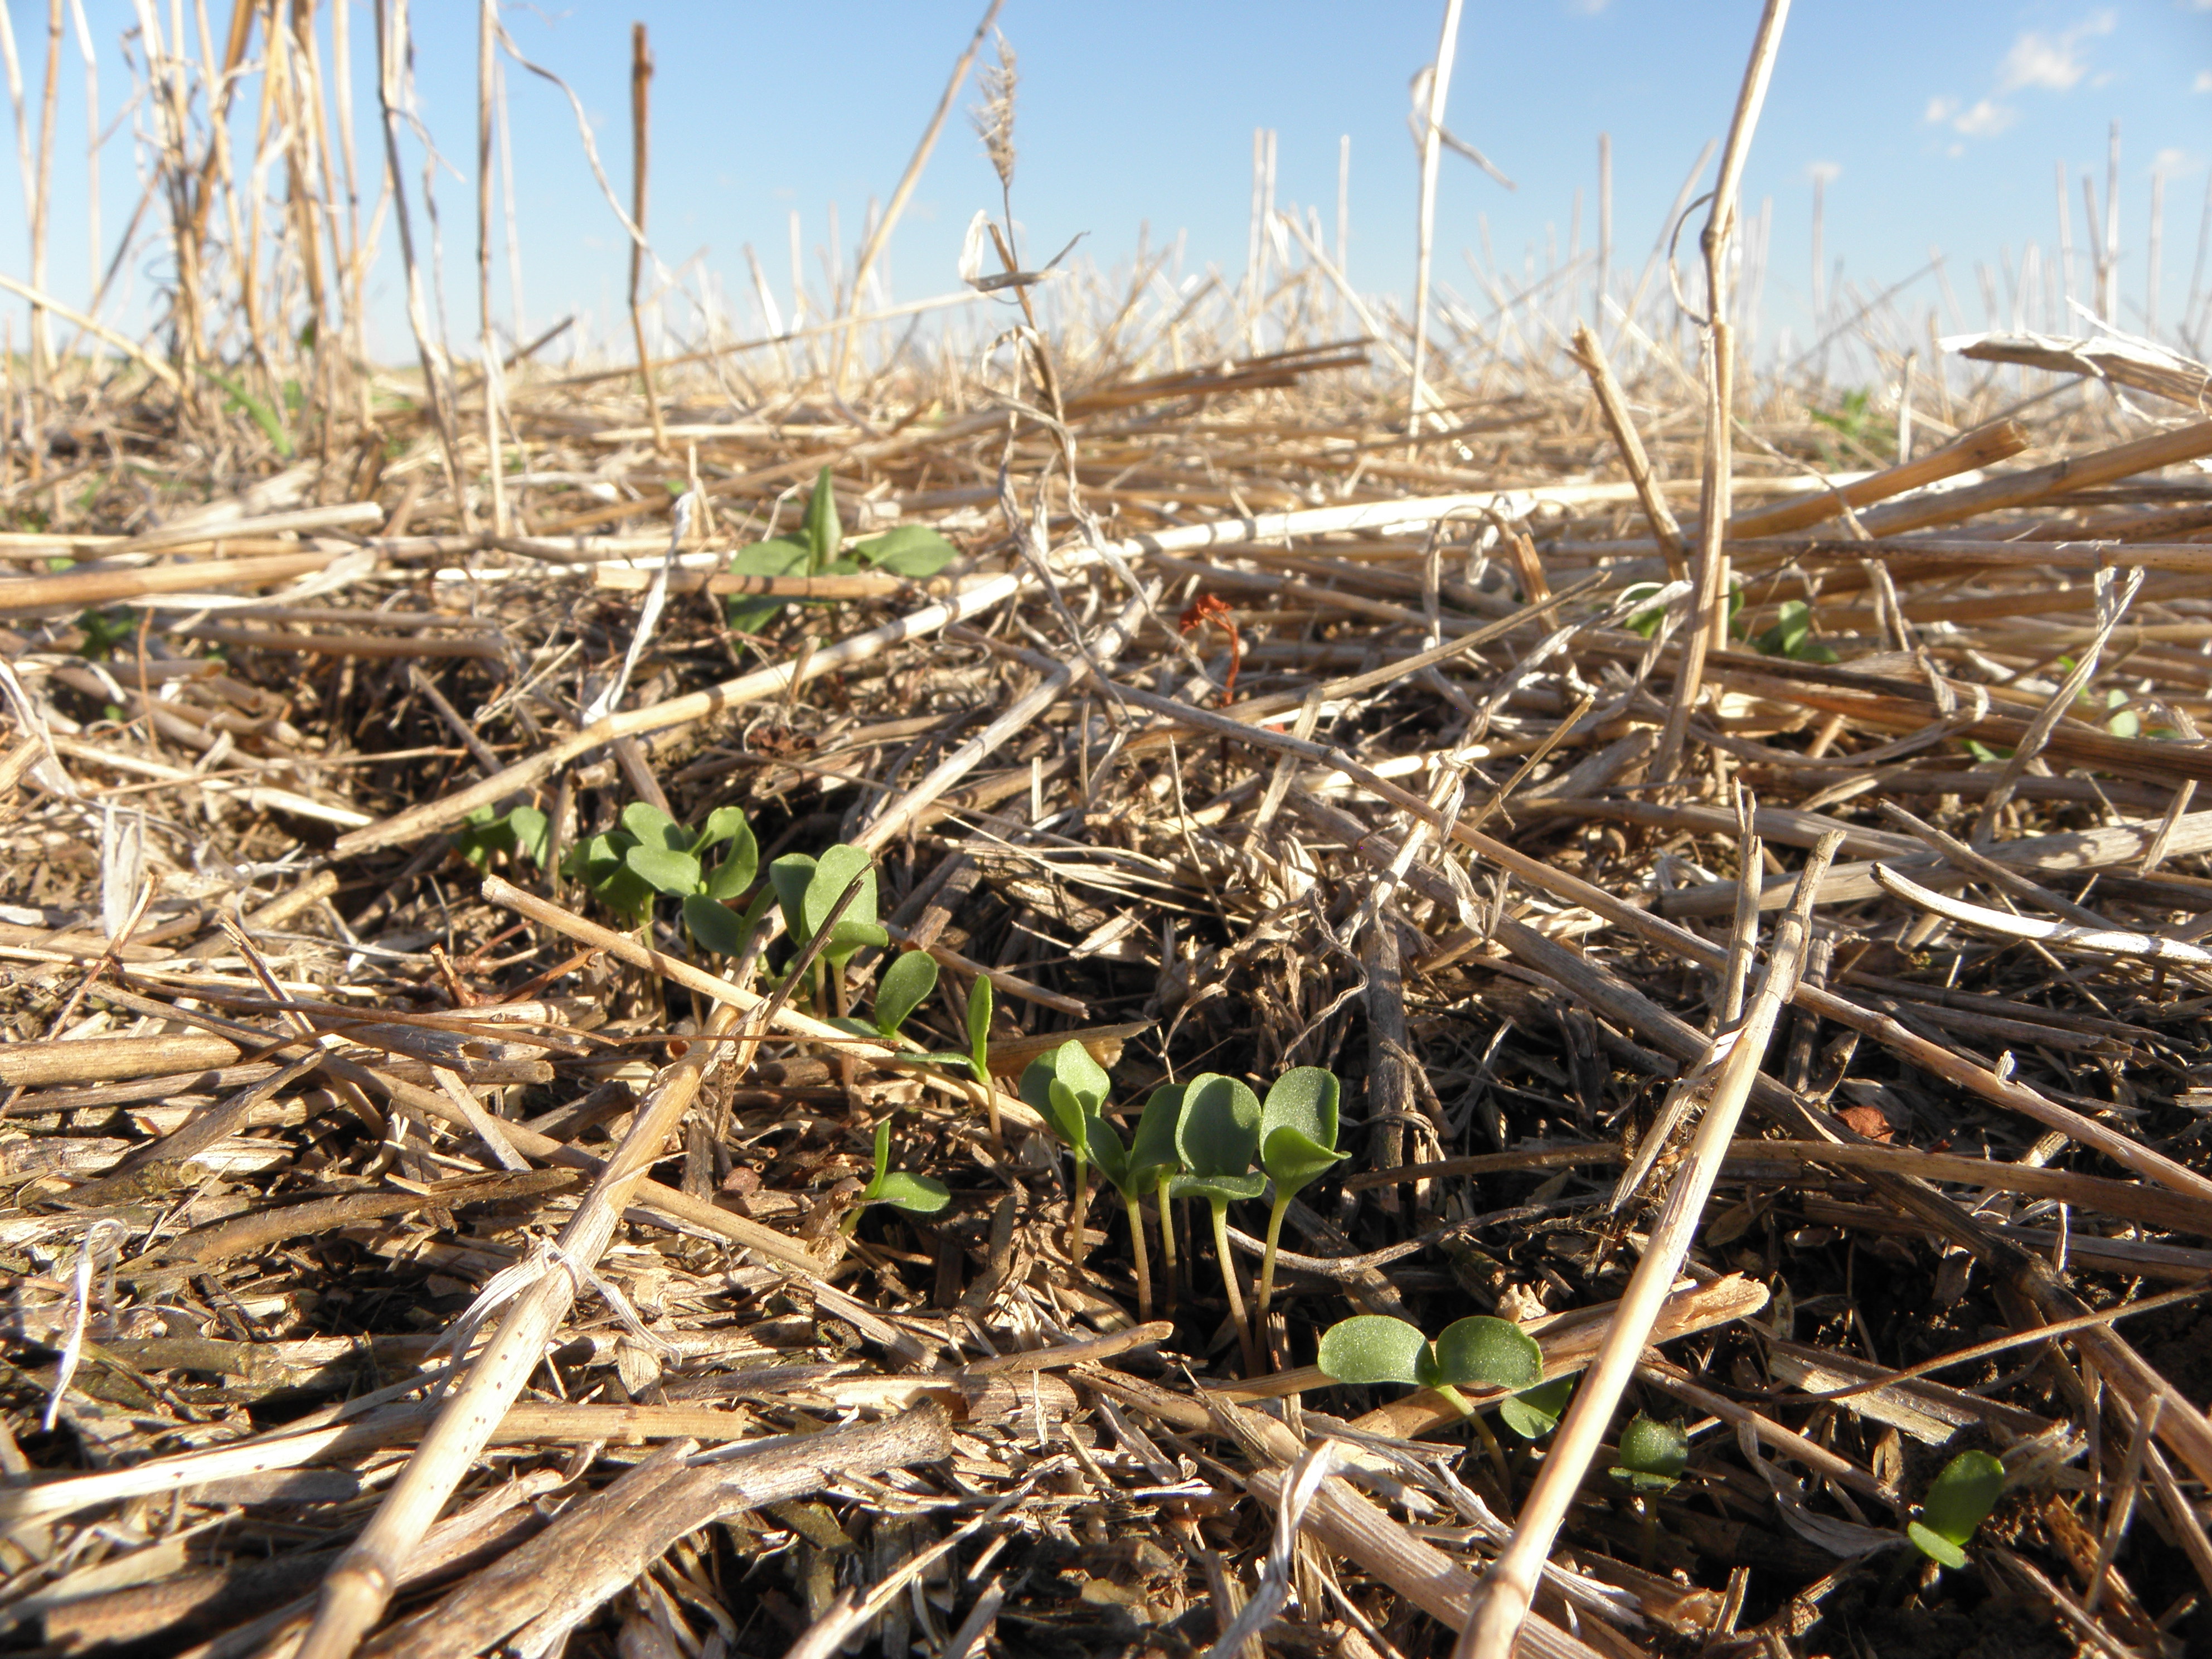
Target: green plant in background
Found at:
1298, 1144
1858, 422
524, 830
263, 415
1646, 622
808, 888
1150, 1159
919, 1193
104, 632
818, 550
1792, 635
1067, 1088
1217, 1134
651, 856
1956, 1506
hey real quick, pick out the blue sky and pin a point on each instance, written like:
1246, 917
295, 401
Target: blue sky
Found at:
1935, 124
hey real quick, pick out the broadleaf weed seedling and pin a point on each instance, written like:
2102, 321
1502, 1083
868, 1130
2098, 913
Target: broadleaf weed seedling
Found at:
818, 550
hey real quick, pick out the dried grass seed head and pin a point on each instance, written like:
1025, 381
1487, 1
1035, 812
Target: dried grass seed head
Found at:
995, 116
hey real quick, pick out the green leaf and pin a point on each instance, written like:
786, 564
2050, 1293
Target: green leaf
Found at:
1044, 1094
1372, 1348
835, 872
1958, 1502
1933, 1545
1081, 1075
1297, 1127
825, 535
654, 828
721, 824
921, 1193
1294, 1161
594, 860
674, 873
912, 549
748, 613
626, 893
1534, 1412
1653, 1455
1218, 1131
732, 875
906, 984
1220, 1188
978, 1023
1495, 1353
532, 833
1645, 623
1109, 1154
1154, 1148
790, 876
883, 1161
713, 924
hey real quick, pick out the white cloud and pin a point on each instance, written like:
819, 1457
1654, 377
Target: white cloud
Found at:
1984, 120
1825, 172
2053, 61
1591, 8
2202, 82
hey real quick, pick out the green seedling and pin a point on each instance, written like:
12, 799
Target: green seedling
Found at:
1646, 622
1067, 1088
1298, 1144
525, 831
1653, 1456
1534, 1412
1792, 635
1957, 1504
651, 856
1149, 1159
1477, 1352
817, 549
1155, 1152
104, 632
808, 888
1217, 1135
918, 1193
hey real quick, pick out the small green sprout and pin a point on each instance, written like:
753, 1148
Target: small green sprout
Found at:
525, 831
1792, 635
651, 855
1150, 1158
1217, 1134
1958, 1504
1067, 1088
816, 549
918, 1193
1653, 1456
1298, 1144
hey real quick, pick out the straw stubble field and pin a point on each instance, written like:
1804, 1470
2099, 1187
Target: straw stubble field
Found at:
777, 1012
